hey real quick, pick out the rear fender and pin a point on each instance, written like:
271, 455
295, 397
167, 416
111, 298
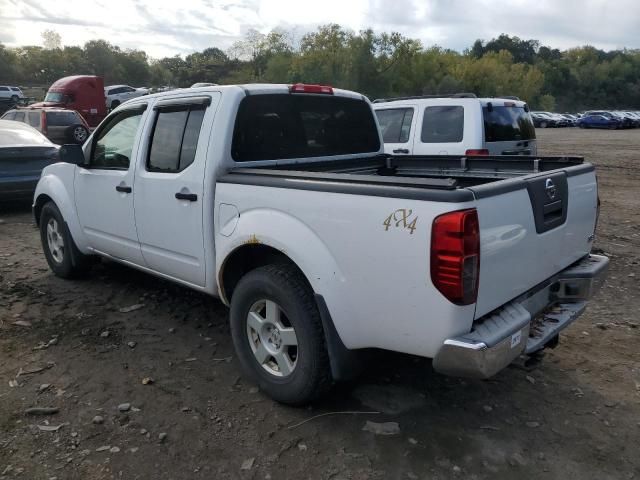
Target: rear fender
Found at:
299, 243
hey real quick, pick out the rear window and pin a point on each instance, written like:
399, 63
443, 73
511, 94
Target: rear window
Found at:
281, 126
443, 124
503, 124
395, 124
61, 119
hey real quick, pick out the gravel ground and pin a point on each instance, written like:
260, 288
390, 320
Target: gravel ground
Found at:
156, 393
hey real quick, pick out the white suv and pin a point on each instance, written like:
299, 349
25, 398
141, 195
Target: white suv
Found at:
117, 94
12, 93
459, 124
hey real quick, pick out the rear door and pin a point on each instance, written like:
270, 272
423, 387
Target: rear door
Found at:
444, 127
169, 189
508, 129
530, 229
397, 125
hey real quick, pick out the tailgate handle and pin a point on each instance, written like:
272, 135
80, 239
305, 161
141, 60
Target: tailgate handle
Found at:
552, 212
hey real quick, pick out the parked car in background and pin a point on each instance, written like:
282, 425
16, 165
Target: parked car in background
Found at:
82, 93
459, 124
24, 152
203, 84
57, 124
571, 119
599, 121
542, 120
12, 93
117, 94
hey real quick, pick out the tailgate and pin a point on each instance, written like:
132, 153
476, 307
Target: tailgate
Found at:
531, 228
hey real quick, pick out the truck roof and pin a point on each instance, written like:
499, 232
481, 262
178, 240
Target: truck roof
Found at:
249, 88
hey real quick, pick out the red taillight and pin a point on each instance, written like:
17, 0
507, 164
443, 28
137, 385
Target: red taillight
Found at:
304, 88
477, 151
43, 122
455, 255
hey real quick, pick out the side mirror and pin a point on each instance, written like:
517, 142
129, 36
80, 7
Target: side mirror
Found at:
72, 153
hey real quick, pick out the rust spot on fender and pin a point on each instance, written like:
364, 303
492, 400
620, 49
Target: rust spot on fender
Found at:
253, 240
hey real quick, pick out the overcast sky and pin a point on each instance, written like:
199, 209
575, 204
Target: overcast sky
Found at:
164, 28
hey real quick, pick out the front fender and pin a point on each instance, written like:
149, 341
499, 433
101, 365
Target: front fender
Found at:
303, 246
56, 183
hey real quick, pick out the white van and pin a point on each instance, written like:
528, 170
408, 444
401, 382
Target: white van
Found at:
459, 124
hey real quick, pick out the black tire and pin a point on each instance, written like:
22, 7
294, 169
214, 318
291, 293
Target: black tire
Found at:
69, 262
77, 133
284, 285
15, 98
115, 104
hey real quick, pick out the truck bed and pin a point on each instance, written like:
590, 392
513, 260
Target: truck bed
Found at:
437, 178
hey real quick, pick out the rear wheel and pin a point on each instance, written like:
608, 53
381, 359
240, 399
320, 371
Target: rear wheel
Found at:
77, 133
15, 98
278, 334
63, 257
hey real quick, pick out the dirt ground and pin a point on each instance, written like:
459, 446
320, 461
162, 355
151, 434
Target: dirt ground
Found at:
66, 344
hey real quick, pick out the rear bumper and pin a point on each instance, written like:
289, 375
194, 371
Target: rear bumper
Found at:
524, 325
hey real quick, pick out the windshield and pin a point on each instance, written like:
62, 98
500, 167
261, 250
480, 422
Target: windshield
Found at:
280, 126
507, 123
58, 97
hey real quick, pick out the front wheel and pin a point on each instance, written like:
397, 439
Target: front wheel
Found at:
63, 257
15, 98
278, 336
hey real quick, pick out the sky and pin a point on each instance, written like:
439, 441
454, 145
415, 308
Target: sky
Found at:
164, 28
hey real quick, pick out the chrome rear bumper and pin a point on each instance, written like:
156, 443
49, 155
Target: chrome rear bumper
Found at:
524, 325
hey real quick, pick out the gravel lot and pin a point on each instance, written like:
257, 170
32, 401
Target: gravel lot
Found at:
191, 415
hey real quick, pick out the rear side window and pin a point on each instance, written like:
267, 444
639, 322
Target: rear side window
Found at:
395, 124
61, 119
4, 89
281, 126
34, 119
175, 138
507, 123
443, 124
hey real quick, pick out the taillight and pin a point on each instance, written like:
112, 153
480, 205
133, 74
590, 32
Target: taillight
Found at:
308, 88
43, 122
477, 151
455, 255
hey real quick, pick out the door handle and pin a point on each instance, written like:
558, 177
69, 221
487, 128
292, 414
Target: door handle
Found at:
401, 150
123, 188
192, 197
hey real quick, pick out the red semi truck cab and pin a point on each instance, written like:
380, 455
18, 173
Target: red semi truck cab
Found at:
83, 93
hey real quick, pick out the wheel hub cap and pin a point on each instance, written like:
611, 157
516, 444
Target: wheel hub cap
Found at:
272, 338
55, 240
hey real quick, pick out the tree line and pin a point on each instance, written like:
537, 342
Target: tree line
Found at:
376, 64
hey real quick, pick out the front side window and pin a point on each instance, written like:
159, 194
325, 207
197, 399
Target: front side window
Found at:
443, 124
20, 116
395, 124
61, 119
282, 126
114, 142
175, 138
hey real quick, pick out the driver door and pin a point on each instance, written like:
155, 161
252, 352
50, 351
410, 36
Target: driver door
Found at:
104, 186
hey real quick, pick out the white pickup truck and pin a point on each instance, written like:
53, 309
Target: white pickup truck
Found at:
278, 199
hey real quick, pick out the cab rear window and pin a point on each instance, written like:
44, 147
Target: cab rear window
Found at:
282, 126
507, 123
